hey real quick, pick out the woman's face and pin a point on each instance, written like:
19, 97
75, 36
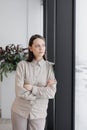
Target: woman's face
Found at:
38, 48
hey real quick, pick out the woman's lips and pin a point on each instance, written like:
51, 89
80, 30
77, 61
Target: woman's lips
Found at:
41, 52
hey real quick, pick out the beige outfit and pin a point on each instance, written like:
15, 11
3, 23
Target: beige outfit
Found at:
20, 123
33, 104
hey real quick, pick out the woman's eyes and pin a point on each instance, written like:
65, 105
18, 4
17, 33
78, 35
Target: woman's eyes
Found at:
40, 45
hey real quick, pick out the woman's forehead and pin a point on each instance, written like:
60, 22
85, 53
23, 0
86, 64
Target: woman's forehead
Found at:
38, 41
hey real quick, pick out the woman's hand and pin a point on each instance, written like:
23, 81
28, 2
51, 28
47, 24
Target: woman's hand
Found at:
28, 87
50, 82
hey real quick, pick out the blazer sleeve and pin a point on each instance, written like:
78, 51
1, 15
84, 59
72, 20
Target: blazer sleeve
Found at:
46, 91
19, 83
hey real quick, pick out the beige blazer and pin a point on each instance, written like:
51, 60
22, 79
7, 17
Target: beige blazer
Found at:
33, 104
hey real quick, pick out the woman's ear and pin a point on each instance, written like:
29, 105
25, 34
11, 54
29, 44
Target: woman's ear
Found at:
30, 48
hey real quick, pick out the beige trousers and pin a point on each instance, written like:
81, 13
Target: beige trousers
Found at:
20, 123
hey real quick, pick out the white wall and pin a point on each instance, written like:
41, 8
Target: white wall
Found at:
13, 22
19, 19
35, 19
7, 95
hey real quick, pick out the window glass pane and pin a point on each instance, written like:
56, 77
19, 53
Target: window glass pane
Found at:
81, 66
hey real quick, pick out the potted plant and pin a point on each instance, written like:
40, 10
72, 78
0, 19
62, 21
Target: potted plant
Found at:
9, 58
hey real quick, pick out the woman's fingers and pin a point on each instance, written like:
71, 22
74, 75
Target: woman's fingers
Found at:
28, 87
51, 82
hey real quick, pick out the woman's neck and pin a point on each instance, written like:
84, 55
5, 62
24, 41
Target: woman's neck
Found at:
38, 59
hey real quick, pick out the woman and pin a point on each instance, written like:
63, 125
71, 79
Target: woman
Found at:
35, 84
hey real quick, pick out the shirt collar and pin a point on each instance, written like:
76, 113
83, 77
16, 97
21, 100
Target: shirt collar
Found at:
40, 62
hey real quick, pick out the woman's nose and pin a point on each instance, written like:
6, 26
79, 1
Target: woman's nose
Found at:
41, 48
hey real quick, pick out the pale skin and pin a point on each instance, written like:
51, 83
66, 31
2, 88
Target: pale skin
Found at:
38, 49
